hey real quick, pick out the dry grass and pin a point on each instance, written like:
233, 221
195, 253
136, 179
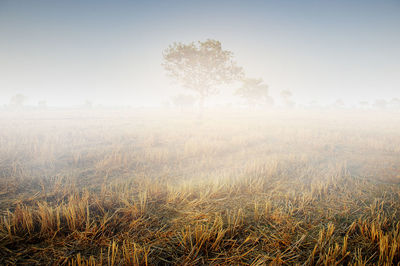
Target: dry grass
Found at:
143, 188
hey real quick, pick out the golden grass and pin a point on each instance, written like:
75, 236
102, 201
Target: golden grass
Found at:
251, 189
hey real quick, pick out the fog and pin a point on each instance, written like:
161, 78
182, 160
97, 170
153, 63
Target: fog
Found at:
68, 52
199, 133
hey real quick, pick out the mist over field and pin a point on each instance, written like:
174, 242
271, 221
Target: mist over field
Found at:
199, 133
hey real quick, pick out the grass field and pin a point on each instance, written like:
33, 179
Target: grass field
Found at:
145, 187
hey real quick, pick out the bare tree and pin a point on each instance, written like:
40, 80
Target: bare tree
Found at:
201, 67
255, 92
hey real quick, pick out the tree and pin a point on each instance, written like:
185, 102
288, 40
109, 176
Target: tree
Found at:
42, 104
88, 104
380, 103
255, 92
395, 103
18, 100
286, 96
364, 104
201, 67
339, 103
313, 104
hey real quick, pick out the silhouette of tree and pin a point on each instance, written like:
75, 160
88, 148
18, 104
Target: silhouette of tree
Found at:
88, 104
42, 104
380, 103
201, 67
18, 100
339, 103
395, 103
286, 96
364, 104
255, 92
313, 104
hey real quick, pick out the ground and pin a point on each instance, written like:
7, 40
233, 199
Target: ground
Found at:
136, 187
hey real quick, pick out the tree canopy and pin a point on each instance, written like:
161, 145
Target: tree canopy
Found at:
202, 67
255, 92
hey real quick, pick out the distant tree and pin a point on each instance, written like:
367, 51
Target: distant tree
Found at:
18, 100
201, 67
380, 103
364, 104
88, 104
286, 96
313, 104
255, 92
42, 104
339, 103
183, 101
395, 103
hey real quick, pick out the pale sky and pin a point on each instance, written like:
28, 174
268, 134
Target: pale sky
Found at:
110, 51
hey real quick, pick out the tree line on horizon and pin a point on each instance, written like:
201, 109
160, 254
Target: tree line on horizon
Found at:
203, 68
187, 101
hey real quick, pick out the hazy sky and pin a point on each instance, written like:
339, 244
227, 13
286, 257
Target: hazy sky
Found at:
110, 51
